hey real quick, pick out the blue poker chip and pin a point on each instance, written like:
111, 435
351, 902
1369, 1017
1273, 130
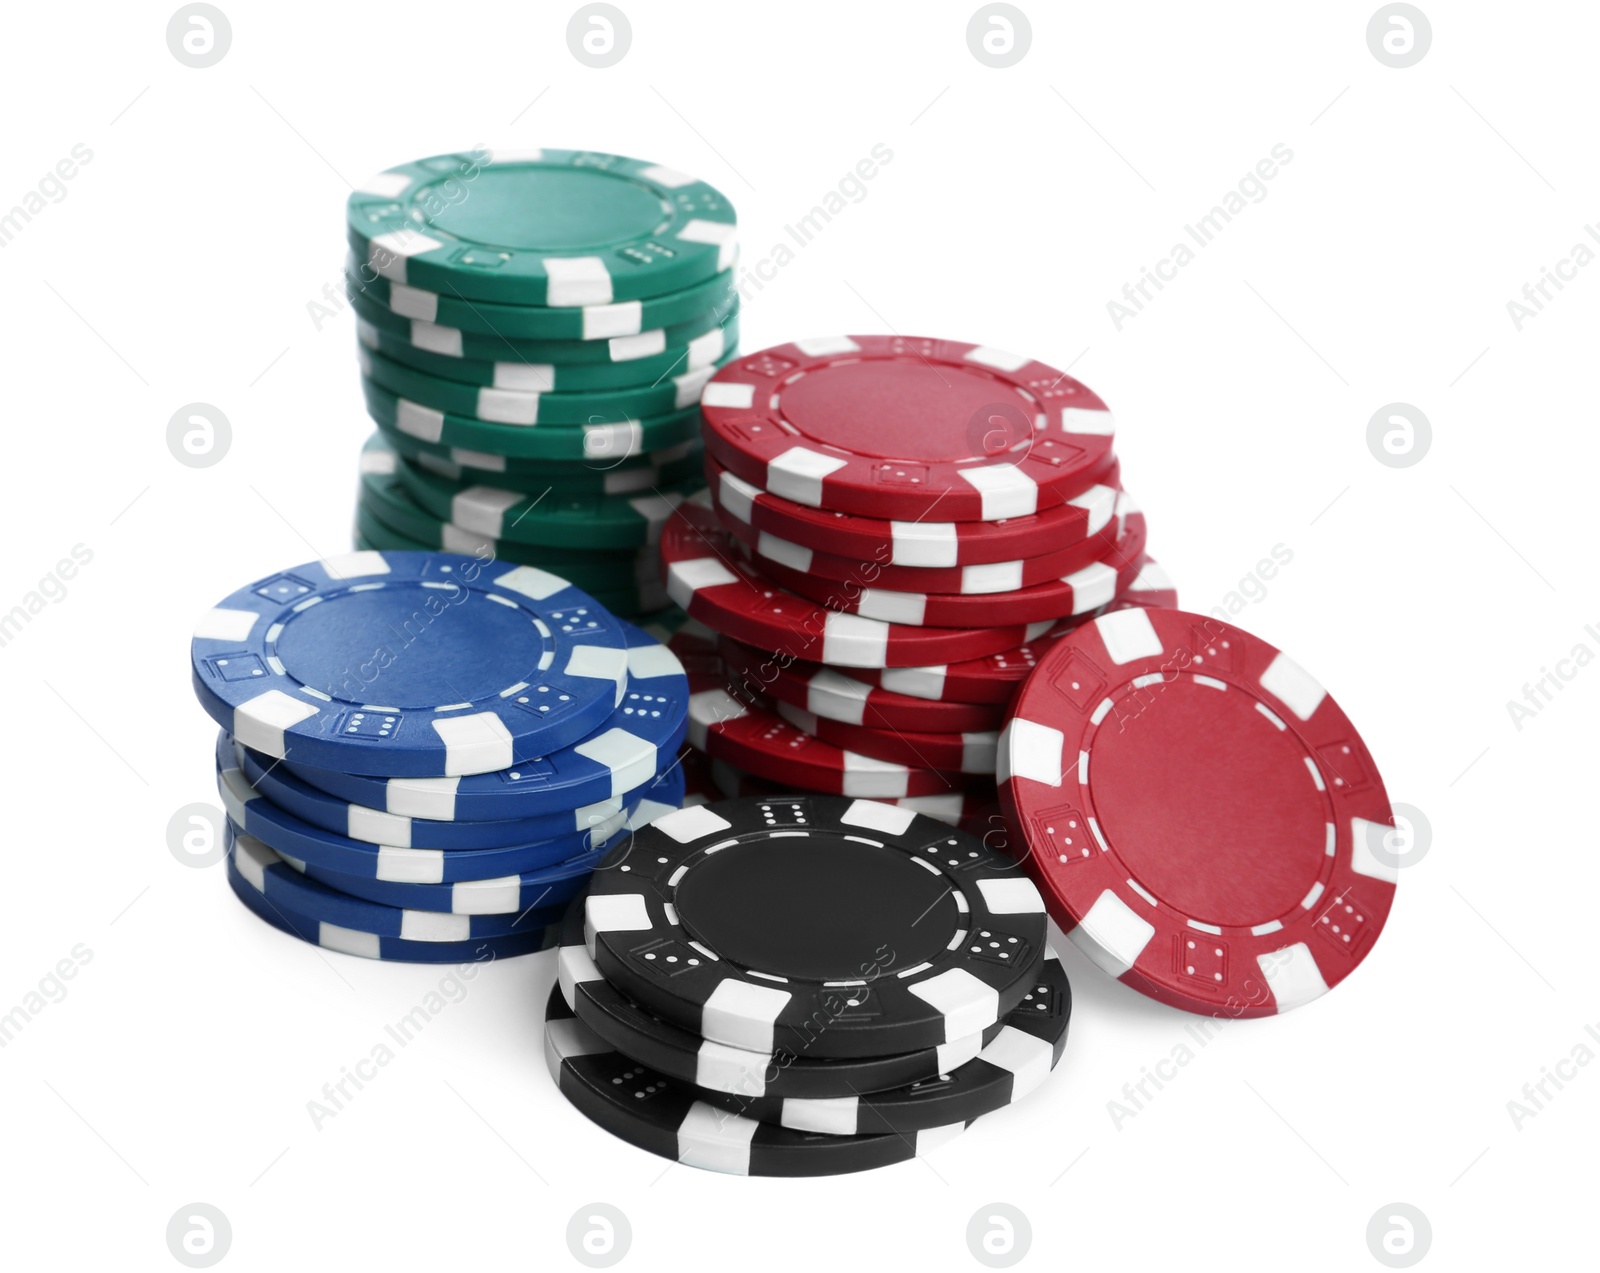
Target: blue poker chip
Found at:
552, 886
279, 784
420, 665
291, 837
624, 753
287, 890
374, 946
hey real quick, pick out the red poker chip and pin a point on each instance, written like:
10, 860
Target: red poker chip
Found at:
925, 543
976, 806
994, 679
954, 753
1203, 820
1089, 588
761, 742
707, 575
831, 694
871, 572
895, 426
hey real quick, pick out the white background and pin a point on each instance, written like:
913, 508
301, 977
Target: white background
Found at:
179, 268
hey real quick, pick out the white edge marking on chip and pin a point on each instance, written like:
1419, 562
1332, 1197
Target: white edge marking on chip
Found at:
892, 607
918, 682
435, 926
225, 625
446, 341
728, 394
601, 322
474, 744
349, 942
1100, 505
1004, 489
507, 406
997, 358
417, 421
501, 896
1293, 686
261, 722
1111, 934
600, 663
414, 303
1366, 839
433, 798
251, 858
639, 345
577, 280
1015, 895
616, 913
1128, 635
851, 641
1027, 1058
798, 474
1034, 751
375, 826
530, 581
838, 1116
924, 543
742, 1015
1088, 420
733, 1070
1293, 976
361, 564
689, 825
569, 1037
822, 346
386, 185
715, 1140
482, 509
886, 818
737, 496
573, 968
967, 1004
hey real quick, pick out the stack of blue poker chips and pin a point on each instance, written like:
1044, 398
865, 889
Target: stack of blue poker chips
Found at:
424, 755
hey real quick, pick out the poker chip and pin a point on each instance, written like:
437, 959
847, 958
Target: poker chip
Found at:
758, 740
500, 663
681, 1054
529, 322
703, 352
707, 578
530, 407
1204, 821
575, 784
728, 920
1095, 585
866, 574
972, 753
834, 696
351, 941
667, 1118
665, 468
594, 521
906, 427
1020, 1058
293, 838
922, 544
451, 342
541, 227
293, 892
531, 891
608, 440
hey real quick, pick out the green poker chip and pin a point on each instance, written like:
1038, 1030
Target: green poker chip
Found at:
662, 469
385, 500
549, 518
526, 322
451, 342
549, 227
593, 442
522, 374
524, 407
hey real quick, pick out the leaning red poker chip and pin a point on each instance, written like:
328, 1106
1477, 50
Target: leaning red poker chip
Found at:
924, 543
894, 426
1095, 585
759, 741
833, 695
707, 576
955, 753
1203, 819
873, 572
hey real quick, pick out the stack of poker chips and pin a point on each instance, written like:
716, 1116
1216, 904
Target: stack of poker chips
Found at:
424, 756
722, 1003
535, 331
895, 530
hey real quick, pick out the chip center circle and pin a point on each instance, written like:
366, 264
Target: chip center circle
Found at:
525, 208
817, 907
1208, 805
408, 646
903, 409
